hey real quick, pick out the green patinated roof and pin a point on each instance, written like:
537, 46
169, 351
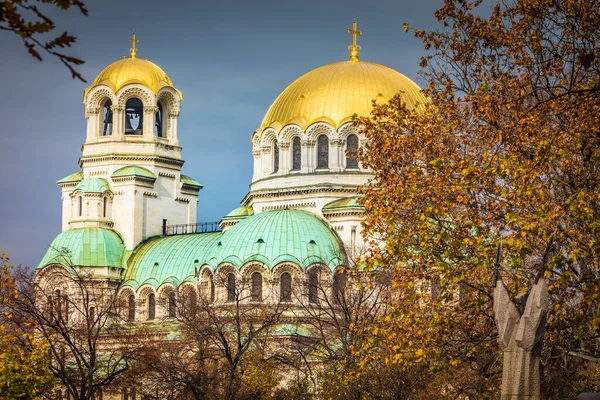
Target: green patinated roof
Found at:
169, 259
291, 330
240, 212
349, 203
74, 177
271, 237
90, 247
93, 185
277, 236
186, 180
133, 170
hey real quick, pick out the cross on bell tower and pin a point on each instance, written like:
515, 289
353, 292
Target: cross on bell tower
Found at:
354, 48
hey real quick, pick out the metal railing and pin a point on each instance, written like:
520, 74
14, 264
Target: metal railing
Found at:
183, 229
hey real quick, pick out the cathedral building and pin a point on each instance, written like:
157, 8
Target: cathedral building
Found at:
129, 213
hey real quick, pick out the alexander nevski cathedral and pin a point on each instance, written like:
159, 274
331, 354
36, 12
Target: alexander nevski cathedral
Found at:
129, 213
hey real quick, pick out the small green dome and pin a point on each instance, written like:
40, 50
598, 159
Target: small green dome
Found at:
133, 170
89, 247
240, 212
348, 203
74, 177
93, 185
189, 181
277, 236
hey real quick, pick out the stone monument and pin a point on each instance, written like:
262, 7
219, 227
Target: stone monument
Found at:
521, 333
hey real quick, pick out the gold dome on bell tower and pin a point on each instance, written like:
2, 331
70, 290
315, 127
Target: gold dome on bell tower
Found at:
334, 93
132, 70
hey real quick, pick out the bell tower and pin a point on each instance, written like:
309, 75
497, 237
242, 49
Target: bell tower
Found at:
132, 151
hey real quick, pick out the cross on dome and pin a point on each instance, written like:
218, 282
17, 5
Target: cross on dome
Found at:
354, 48
133, 41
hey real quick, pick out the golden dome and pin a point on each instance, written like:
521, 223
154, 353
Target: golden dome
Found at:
335, 92
132, 70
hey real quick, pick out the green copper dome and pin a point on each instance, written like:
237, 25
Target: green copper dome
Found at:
270, 237
90, 247
133, 170
277, 236
93, 185
173, 259
240, 212
348, 203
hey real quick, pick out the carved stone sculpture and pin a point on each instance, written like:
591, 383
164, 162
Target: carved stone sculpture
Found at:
522, 335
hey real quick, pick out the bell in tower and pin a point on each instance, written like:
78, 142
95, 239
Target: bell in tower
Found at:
134, 117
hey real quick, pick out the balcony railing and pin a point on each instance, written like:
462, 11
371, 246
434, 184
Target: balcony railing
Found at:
183, 229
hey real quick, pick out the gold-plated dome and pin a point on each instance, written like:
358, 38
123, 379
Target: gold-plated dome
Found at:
132, 70
335, 92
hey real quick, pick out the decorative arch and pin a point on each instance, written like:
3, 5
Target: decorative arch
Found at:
97, 96
206, 283
289, 132
144, 94
267, 137
147, 294
167, 295
169, 98
126, 300
318, 129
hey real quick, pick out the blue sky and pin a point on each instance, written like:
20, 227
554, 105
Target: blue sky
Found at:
230, 59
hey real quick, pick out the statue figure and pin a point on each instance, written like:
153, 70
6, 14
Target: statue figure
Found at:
521, 333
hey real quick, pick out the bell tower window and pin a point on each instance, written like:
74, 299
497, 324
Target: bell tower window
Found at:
158, 121
134, 117
105, 203
296, 154
80, 206
107, 118
322, 152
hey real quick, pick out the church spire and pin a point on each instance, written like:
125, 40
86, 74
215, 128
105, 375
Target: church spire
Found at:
354, 48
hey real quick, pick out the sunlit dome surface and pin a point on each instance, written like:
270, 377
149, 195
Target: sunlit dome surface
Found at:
335, 92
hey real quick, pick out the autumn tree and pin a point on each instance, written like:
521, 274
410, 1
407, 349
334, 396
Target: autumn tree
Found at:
507, 148
76, 313
24, 362
222, 348
29, 21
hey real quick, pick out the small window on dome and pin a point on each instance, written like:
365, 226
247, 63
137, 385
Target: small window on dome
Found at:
231, 293
80, 207
323, 152
275, 156
134, 117
256, 291
285, 287
158, 122
107, 118
296, 154
151, 307
351, 150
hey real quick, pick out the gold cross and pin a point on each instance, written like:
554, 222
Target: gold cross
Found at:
354, 48
133, 41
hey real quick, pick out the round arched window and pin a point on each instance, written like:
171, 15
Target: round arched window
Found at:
134, 117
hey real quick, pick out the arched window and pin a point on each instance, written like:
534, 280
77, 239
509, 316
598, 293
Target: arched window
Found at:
158, 121
92, 315
296, 154
134, 117
275, 156
131, 308
80, 207
107, 118
351, 149
337, 289
230, 288
57, 303
104, 205
172, 305
256, 292
322, 152
151, 307
191, 302
212, 290
313, 286
65, 307
285, 287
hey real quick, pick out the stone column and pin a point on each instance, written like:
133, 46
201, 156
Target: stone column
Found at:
257, 165
308, 156
266, 156
285, 158
335, 155
91, 114
149, 121
118, 121
172, 129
